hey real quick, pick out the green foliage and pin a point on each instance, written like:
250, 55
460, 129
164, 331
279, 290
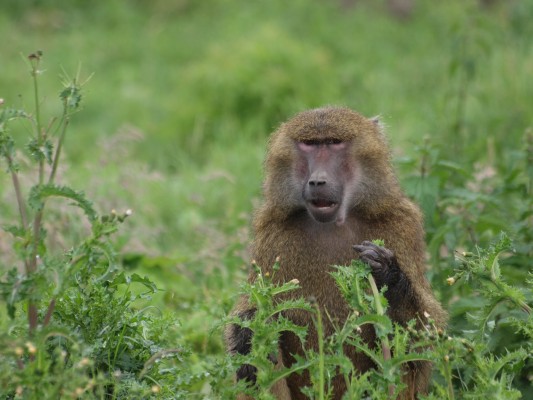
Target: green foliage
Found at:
468, 206
368, 307
267, 324
76, 329
465, 364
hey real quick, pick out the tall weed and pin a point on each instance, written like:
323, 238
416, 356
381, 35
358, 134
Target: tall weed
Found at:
76, 328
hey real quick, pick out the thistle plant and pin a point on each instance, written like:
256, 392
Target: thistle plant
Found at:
44, 149
267, 324
74, 329
463, 362
396, 347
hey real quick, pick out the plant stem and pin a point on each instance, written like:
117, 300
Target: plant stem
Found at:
29, 265
32, 263
65, 122
385, 345
32, 316
448, 377
18, 193
375, 293
49, 312
40, 132
520, 303
320, 336
529, 159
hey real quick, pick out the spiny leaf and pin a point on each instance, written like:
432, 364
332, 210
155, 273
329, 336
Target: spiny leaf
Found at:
122, 278
6, 143
300, 304
71, 96
16, 230
41, 151
9, 114
382, 323
14, 288
39, 193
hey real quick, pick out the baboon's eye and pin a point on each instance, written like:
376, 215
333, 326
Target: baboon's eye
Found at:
310, 144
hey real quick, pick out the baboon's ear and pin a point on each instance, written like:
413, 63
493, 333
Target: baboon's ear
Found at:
378, 123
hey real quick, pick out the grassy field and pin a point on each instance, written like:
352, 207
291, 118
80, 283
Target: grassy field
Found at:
181, 96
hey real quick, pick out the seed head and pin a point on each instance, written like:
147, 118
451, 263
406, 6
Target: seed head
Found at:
35, 56
31, 348
276, 264
84, 362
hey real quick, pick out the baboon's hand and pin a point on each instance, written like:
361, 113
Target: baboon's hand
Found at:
248, 373
240, 342
385, 269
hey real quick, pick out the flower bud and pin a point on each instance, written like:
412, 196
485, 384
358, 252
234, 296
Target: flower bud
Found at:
31, 348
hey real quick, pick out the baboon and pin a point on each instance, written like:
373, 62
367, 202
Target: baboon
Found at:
329, 190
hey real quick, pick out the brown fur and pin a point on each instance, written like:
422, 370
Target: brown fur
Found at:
307, 249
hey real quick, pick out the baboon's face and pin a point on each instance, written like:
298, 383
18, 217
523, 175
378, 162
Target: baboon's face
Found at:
323, 172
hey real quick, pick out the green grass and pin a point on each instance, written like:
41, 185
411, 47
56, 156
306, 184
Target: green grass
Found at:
183, 95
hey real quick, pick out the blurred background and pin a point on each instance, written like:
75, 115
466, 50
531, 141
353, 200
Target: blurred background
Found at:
182, 95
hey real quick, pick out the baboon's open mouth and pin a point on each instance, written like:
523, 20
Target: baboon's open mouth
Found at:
323, 203
323, 210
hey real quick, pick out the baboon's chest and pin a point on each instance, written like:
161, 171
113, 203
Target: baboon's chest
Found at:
310, 258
